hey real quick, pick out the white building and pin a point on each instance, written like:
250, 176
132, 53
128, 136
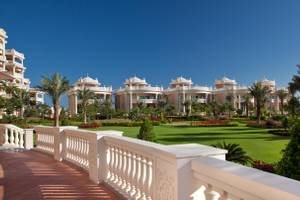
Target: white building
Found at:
102, 93
12, 70
136, 90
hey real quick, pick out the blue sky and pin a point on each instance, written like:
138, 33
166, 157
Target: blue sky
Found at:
156, 40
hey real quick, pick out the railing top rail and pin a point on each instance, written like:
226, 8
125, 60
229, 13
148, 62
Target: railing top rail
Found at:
11, 126
176, 151
262, 184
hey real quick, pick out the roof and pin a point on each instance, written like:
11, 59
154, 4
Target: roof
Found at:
88, 79
135, 79
181, 80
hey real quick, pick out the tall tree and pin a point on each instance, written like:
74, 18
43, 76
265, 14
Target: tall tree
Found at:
282, 95
260, 94
84, 96
247, 101
55, 86
21, 98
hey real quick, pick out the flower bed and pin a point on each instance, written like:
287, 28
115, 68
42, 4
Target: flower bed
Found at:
127, 124
265, 124
90, 125
279, 132
213, 123
258, 164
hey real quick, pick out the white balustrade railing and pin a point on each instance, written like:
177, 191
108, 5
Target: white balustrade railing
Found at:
13, 136
143, 170
218, 179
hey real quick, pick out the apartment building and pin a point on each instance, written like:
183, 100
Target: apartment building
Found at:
102, 93
12, 70
135, 91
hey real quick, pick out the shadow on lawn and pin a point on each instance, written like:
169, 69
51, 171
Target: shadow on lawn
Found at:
185, 139
212, 134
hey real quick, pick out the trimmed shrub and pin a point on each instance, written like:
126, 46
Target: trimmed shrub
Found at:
146, 131
258, 164
127, 124
90, 125
213, 123
289, 165
279, 132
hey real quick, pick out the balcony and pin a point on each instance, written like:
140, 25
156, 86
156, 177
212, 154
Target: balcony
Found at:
146, 101
133, 169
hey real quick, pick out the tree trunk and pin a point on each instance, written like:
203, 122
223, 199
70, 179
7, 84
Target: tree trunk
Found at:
258, 113
84, 117
247, 110
56, 114
281, 102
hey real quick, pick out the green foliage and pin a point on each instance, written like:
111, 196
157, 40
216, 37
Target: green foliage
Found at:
285, 123
289, 165
85, 96
55, 86
106, 111
260, 94
235, 153
146, 131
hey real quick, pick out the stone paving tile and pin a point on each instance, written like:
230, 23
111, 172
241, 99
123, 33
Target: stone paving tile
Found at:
31, 175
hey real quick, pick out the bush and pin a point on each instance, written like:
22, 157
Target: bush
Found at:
90, 125
213, 123
127, 124
278, 117
235, 153
289, 165
146, 131
279, 132
265, 124
258, 164
65, 122
196, 118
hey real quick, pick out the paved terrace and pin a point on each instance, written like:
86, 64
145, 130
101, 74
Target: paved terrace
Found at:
34, 175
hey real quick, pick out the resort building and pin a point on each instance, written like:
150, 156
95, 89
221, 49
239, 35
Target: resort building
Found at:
102, 93
136, 91
12, 70
182, 90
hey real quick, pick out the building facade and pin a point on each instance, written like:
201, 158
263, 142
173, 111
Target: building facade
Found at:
12, 70
136, 91
182, 90
102, 93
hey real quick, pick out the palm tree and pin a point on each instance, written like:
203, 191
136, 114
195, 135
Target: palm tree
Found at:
55, 86
84, 95
22, 99
247, 101
259, 93
235, 153
282, 95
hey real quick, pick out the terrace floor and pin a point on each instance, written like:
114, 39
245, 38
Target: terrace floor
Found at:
33, 175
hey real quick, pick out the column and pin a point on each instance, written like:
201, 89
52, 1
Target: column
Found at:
183, 100
130, 101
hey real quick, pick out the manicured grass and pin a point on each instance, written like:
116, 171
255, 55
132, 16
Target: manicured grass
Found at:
259, 144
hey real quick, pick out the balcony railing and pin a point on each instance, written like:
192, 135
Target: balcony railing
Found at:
138, 169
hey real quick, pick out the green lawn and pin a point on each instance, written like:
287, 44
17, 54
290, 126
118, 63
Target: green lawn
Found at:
255, 141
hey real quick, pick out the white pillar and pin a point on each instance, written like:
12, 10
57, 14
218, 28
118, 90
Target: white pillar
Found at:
130, 101
28, 138
183, 100
75, 102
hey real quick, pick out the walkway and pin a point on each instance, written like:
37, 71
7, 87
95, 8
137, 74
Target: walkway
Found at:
33, 175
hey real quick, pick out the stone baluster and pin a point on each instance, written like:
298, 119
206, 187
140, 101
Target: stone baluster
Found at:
224, 196
138, 176
21, 144
133, 175
6, 136
120, 168
116, 161
210, 194
149, 180
12, 138
17, 133
128, 173
143, 177
124, 174
111, 163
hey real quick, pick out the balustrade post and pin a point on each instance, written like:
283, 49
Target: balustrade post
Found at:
5, 135
12, 138
57, 143
28, 138
103, 149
